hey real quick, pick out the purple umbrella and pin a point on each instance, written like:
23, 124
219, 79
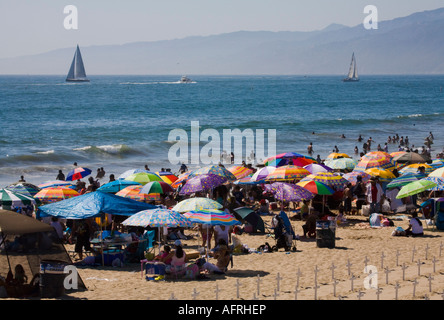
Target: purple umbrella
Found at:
315, 168
289, 192
202, 183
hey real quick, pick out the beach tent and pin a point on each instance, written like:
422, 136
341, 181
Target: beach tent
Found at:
246, 214
92, 205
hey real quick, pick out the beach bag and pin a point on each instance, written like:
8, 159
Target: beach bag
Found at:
192, 271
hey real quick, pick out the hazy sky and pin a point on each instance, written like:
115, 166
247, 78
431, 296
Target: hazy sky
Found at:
30, 27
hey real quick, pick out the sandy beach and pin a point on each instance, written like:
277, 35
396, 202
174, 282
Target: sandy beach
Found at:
420, 257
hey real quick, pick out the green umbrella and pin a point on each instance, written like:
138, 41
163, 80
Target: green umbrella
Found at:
415, 187
195, 204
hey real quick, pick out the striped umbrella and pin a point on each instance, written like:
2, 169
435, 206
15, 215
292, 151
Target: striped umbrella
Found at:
331, 179
247, 180
437, 163
262, 173
56, 183
397, 153
337, 155
289, 158
157, 218
10, 199
133, 192
181, 178
117, 185
315, 168
382, 174
437, 173
55, 194
415, 187
342, 163
159, 187
316, 187
143, 177
130, 172
375, 159
24, 188
289, 192
211, 217
352, 177
78, 173
197, 204
413, 168
215, 170
439, 183
202, 182
167, 177
402, 181
240, 171
287, 173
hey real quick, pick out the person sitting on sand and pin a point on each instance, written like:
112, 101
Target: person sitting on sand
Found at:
223, 257
415, 228
310, 225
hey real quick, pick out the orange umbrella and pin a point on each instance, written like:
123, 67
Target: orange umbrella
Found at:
133, 192
240, 171
55, 194
287, 173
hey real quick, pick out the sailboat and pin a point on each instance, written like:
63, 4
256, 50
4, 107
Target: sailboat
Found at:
77, 71
353, 72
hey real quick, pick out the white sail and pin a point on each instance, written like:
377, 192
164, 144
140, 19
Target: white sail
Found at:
77, 69
353, 71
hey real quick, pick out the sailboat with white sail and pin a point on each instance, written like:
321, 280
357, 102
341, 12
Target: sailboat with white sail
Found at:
353, 71
77, 70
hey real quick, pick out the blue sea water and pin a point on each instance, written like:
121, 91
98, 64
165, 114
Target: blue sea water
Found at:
123, 122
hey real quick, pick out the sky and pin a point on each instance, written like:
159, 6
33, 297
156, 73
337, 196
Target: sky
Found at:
37, 26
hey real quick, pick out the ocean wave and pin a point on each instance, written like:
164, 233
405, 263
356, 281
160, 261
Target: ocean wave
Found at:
112, 149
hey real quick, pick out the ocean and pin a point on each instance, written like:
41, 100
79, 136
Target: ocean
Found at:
123, 122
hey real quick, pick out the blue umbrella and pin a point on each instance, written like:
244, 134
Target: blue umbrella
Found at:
439, 183
117, 185
402, 180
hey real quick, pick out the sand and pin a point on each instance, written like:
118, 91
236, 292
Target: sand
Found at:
355, 243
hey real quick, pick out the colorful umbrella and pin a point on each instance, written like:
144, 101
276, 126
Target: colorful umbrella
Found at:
315, 168
289, 158
437, 173
117, 185
211, 217
402, 181
437, 163
181, 178
240, 171
287, 173
130, 172
382, 174
439, 183
202, 182
342, 163
413, 168
55, 194
316, 187
197, 204
78, 173
375, 159
157, 218
10, 199
143, 177
331, 179
289, 192
24, 188
415, 187
167, 177
56, 183
159, 187
215, 170
247, 180
352, 177
262, 173
133, 192
337, 155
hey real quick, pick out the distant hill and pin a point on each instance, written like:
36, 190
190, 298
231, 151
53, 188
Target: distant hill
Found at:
408, 45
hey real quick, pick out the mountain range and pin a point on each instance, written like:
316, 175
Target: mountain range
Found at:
407, 45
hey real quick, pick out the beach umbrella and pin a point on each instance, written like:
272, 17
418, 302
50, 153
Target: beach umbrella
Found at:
317, 167
167, 177
437, 163
262, 173
437, 173
55, 194
352, 177
289, 192
397, 153
158, 217
415, 187
383, 174
133, 192
10, 199
196, 204
202, 182
117, 185
289, 158
56, 183
413, 168
24, 188
331, 179
181, 178
316, 187
247, 180
143, 177
375, 159
402, 181
287, 173
342, 164
337, 155
78, 173
240, 171
130, 172
211, 217
409, 158
159, 187
214, 170
439, 183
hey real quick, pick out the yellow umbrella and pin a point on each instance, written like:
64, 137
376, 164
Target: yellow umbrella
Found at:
337, 155
383, 174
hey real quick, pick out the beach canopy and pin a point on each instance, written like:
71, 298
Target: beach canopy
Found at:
91, 205
13, 223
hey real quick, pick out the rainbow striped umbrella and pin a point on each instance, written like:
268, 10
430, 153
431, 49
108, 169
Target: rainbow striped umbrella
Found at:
240, 171
316, 187
289, 192
202, 182
331, 179
215, 170
10, 199
197, 204
352, 177
157, 218
156, 187
56, 183
289, 158
212, 217
143, 177
287, 173
24, 188
375, 159
437, 173
383, 174
167, 177
55, 194
439, 183
77, 174
133, 192
413, 168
